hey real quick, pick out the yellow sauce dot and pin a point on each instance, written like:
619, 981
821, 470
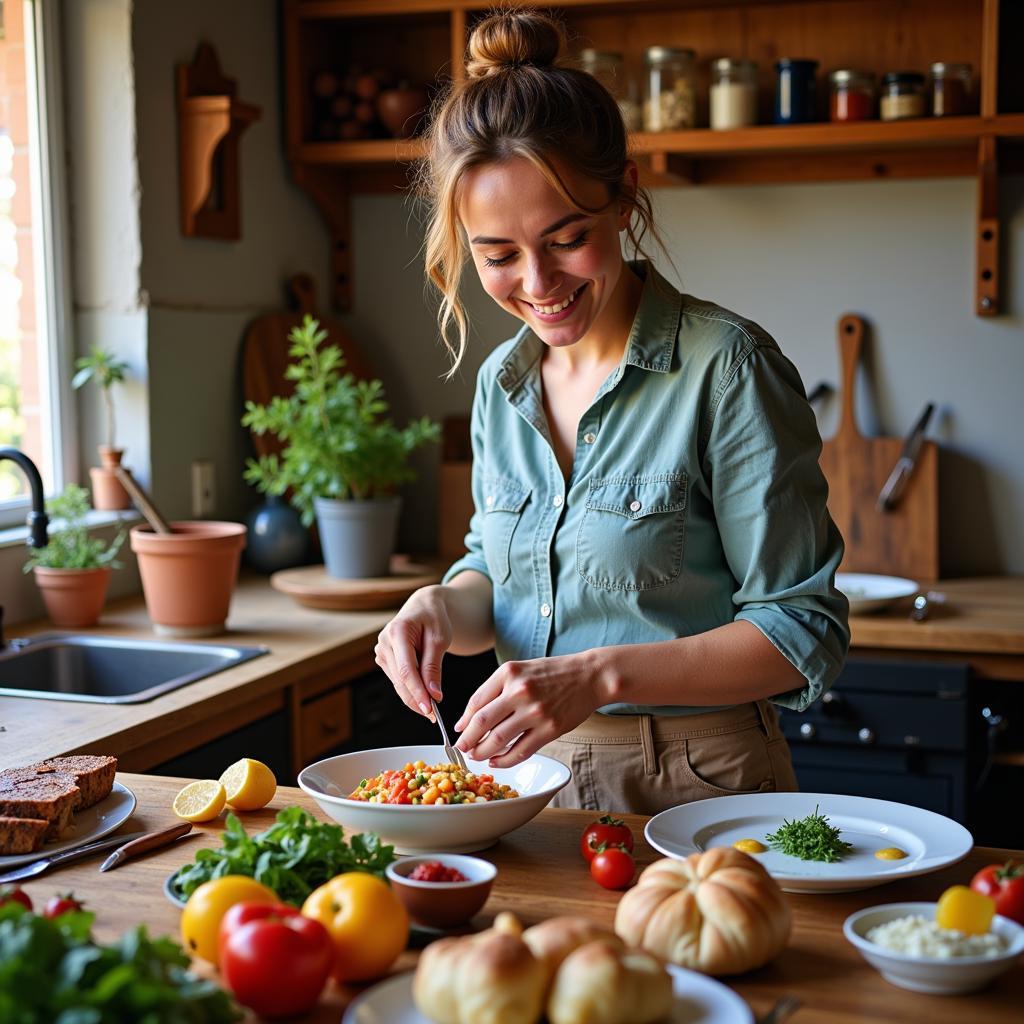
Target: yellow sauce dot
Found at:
891, 853
750, 846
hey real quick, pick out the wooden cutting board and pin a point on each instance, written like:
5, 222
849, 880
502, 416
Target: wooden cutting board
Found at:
265, 352
900, 542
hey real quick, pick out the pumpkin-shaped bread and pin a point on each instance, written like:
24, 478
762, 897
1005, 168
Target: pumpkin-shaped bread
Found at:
719, 912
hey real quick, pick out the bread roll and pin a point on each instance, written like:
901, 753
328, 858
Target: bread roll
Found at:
719, 912
488, 978
601, 983
553, 940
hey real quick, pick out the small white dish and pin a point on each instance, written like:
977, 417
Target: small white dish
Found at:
941, 976
868, 592
451, 828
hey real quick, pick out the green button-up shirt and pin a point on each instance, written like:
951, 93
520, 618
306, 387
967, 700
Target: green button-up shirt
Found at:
695, 498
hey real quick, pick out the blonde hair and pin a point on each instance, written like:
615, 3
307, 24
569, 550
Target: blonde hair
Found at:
520, 99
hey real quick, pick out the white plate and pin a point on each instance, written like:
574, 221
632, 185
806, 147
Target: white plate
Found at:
699, 1000
867, 592
930, 840
86, 826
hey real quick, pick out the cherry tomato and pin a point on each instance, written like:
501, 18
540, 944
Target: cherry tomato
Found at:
61, 904
1005, 884
14, 894
613, 868
606, 831
274, 960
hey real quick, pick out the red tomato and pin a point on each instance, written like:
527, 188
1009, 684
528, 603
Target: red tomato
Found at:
613, 868
274, 960
606, 831
61, 904
1005, 884
14, 894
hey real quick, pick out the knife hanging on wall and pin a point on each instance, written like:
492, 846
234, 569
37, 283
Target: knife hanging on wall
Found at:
894, 486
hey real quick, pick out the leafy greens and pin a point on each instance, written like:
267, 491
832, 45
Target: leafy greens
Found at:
810, 838
294, 856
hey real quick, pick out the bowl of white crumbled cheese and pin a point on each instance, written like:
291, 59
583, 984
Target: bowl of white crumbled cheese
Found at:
903, 942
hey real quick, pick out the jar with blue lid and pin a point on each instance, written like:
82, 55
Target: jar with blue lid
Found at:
795, 95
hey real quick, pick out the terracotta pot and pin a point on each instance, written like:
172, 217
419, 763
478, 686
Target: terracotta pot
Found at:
74, 597
188, 575
402, 109
108, 492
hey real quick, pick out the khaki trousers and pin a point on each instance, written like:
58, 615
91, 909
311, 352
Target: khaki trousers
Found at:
643, 764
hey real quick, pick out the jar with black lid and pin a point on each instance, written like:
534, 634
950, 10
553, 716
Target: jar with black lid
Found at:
902, 96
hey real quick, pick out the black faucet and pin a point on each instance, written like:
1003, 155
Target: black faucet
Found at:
37, 518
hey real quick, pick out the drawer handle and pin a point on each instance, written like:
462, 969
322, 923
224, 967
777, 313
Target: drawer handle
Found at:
328, 726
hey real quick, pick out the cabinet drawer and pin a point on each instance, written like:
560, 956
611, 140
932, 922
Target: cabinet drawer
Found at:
325, 722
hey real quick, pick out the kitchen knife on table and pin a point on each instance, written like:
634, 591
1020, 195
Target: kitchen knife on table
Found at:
37, 867
894, 486
143, 844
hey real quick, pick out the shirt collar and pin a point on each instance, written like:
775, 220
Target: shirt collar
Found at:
651, 342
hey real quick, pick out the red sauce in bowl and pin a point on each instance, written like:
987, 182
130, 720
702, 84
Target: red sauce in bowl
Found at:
435, 871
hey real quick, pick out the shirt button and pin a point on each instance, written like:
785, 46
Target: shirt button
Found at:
557, 501
589, 438
545, 609
489, 500
634, 506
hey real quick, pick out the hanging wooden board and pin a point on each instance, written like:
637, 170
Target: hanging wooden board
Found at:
265, 352
905, 540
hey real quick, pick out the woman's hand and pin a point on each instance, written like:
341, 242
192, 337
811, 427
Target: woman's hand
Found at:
410, 648
527, 704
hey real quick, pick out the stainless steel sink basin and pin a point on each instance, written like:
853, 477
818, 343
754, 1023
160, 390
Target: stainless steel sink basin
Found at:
110, 670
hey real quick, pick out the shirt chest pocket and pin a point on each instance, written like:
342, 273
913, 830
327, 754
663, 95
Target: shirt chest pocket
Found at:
631, 534
504, 501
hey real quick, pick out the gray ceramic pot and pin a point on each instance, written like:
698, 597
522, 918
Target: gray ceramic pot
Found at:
357, 537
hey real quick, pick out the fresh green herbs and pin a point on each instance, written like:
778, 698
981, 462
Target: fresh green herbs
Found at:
810, 838
294, 856
52, 971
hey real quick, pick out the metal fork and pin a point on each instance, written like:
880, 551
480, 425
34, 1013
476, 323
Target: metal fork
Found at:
452, 753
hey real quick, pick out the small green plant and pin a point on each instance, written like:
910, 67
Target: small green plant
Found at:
70, 545
338, 441
102, 366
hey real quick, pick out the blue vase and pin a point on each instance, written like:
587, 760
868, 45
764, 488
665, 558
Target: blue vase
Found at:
277, 539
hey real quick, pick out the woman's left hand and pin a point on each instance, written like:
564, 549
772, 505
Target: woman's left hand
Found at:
536, 701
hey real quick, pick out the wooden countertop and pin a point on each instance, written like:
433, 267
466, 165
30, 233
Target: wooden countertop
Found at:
982, 618
541, 874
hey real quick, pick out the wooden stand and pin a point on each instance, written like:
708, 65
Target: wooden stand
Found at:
210, 122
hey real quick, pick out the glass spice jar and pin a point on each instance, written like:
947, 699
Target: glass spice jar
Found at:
733, 93
950, 89
607, 67
902, 96
851, 95
671, 100
794, 91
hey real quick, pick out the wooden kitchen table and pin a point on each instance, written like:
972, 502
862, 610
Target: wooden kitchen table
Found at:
540, 875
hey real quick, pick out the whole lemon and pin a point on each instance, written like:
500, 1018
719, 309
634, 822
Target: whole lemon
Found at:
200, 920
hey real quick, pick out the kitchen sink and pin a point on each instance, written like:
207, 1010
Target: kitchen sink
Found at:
110, 670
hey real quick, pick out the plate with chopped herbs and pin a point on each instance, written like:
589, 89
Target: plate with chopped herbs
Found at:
816, 842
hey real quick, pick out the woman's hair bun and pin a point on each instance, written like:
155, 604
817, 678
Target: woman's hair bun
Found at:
511, 39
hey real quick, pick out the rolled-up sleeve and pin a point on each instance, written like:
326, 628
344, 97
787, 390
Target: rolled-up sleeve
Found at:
474, 556
770, 496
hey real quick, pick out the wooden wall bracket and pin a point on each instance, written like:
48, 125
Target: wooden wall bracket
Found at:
210, 121
986, 283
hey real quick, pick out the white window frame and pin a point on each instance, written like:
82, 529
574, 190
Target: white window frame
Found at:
47, 156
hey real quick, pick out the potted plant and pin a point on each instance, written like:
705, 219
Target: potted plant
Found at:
103, 367
73, 569
342, 457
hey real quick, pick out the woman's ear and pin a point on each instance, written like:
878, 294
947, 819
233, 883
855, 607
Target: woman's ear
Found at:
627, 197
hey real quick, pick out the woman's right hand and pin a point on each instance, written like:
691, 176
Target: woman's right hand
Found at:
411, 646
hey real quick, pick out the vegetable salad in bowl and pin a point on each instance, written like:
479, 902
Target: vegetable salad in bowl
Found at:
425, 785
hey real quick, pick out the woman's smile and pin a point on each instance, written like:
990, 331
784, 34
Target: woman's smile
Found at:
553, 312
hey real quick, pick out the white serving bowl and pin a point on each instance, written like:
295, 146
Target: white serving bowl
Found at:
450, 828
937, 976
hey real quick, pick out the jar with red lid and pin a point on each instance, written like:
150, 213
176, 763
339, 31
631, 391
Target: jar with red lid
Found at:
851, 95
950, 89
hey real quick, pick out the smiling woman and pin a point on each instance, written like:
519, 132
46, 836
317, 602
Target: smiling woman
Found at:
650, 552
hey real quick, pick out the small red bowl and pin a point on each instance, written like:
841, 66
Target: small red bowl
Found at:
442, 904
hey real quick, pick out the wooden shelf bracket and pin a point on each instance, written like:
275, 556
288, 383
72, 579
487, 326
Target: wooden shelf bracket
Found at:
210, 121
986, 290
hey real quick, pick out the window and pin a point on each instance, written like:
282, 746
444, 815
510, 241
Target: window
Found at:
33, 297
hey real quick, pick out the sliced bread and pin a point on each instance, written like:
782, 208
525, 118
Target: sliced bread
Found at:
52, 796
21, 835
93, 775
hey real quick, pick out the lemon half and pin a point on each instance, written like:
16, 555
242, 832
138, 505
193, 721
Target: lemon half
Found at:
249, 784
200, 801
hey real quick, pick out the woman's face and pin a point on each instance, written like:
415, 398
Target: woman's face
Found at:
537, 255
